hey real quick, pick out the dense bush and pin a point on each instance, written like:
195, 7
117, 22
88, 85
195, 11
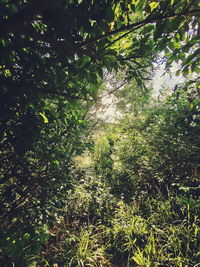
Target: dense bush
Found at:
125, 208
53, 60
158, 150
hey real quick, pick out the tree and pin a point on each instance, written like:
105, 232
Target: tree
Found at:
53, 54
157, 149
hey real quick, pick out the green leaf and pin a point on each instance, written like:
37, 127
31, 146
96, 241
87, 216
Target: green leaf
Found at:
32, 264
191, 106
169, 61
193, 55
153, 5
44, 117
93, 78
7, 72
148, 29
3, 42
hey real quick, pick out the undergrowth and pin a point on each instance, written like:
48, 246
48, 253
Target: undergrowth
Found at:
166, 235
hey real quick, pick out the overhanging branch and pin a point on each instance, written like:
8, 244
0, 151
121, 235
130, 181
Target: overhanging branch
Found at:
139, 23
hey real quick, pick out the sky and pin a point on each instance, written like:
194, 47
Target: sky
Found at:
165, 80
160, 81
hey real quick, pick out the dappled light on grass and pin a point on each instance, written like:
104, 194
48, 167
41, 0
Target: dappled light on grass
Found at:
81, 188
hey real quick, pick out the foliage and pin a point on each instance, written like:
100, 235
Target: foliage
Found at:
155, 223
76, 240
158, 148
25, 249
161, 238
52, 60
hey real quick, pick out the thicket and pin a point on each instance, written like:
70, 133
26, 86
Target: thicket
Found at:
136, 202
134, 199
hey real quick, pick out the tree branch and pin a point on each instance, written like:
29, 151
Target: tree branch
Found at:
115, 89
119, 38
53, 92
139, 23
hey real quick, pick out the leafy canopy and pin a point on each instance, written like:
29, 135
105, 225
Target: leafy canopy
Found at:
53, 55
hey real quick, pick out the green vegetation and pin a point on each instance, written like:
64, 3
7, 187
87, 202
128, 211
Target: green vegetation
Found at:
74, 192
